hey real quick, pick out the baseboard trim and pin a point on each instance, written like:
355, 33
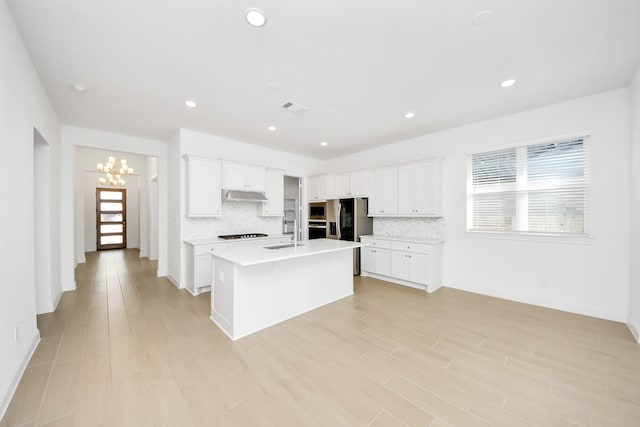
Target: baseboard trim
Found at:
69, 287
429, 288
175, 282
55, 304
571, 308
633, 327
16, 380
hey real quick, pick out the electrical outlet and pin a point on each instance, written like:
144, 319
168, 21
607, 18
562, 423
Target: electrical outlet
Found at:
221, 276
16, 334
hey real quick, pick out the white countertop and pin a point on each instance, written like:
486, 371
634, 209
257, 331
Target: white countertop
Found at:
253, 255
216, 239
404, 239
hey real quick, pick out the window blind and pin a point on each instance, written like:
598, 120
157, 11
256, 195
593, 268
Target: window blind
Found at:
537, 188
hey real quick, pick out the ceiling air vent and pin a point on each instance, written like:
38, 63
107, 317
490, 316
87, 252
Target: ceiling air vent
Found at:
294, 108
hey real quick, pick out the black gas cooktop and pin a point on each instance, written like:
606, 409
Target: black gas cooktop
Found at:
242, 236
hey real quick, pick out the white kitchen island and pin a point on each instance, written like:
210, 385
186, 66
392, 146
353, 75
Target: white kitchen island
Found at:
256, 287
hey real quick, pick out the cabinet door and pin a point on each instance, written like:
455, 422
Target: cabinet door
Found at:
342, 185
368, 259
234, 176
358, 185
202, 271
317, 187
383, 261
390, 191
407, 186
428, 191
420, 189
255, 178
274, 206
383, 192
204, 199
418, 268
400, 265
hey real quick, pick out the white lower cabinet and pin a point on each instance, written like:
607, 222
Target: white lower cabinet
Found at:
409, 266
410, 263
200, 263
376, 260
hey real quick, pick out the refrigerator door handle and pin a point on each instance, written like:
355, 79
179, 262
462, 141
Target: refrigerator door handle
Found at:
338, 220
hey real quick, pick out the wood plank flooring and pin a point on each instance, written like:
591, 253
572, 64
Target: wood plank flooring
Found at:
129, 349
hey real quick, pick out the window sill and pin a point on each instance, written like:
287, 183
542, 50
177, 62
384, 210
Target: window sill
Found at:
531, 237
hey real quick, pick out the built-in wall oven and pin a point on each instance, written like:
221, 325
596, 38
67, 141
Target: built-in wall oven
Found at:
317, 220
318, 211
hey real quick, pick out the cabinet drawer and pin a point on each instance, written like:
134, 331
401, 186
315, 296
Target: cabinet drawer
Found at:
420, 248
204, 249
377, 243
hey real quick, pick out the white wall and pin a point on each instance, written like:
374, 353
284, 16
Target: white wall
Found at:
23, 106
137, 200
590, 279
72, 138
239, 216
633, 318
152, 206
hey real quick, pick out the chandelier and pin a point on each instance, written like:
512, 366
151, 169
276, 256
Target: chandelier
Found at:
112, 174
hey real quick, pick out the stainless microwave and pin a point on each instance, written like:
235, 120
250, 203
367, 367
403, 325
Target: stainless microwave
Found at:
318, 211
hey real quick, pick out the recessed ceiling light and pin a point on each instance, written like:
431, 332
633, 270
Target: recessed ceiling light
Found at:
507, 83
78, 88
324, 143
481, 17
191, 104
255, 17
409, 115
272, 128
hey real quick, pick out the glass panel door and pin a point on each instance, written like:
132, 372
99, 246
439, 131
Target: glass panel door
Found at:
111, 218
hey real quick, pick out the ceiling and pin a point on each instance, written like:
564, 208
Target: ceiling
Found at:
358, 66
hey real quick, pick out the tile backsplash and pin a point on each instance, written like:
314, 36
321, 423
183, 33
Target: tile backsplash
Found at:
237, 218
429, 228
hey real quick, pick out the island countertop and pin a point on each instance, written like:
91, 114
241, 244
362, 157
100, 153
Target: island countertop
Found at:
246, 256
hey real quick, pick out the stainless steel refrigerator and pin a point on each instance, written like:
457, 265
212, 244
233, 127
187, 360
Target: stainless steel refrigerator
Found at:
347, 220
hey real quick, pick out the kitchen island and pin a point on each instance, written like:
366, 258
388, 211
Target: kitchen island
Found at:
256, 287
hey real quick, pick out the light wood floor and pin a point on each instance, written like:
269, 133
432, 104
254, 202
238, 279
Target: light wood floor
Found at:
129, 349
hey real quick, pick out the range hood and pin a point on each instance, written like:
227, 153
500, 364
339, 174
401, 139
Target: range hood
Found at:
243, 196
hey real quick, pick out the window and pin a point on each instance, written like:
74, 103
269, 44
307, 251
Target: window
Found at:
539, 188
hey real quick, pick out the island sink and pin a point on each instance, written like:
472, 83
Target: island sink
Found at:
287, 245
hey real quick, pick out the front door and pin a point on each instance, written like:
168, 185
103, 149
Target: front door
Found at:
111, 218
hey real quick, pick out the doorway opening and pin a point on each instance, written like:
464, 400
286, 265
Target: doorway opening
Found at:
111, 218
292, 206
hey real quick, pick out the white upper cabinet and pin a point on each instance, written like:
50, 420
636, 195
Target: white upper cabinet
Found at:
274, 206
383, 192
353, 184
420, 189
240, 176
317, 187
342, 185
203, 180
